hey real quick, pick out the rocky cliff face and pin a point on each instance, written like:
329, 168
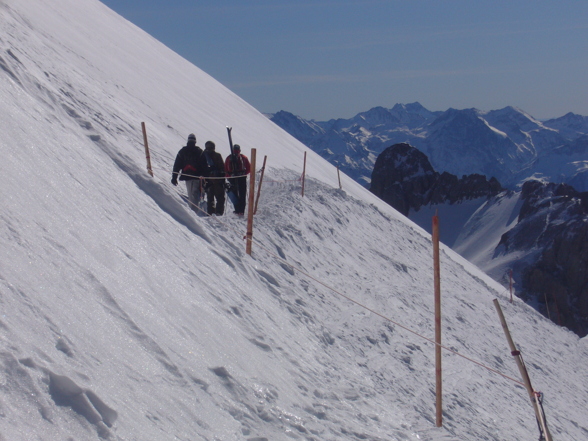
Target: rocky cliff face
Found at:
405, 179
553, 220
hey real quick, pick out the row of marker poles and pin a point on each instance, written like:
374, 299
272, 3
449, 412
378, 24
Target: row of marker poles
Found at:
303, 178
253, 202
437, 287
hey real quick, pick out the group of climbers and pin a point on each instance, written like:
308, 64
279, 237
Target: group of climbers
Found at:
205, 171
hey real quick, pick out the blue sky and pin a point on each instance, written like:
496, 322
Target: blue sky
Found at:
323, 59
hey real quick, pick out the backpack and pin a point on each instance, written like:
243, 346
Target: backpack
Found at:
212, 169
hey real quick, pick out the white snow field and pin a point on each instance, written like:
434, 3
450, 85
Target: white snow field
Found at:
125, 316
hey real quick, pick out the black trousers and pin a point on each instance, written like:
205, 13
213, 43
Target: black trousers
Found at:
239, 187
215, 196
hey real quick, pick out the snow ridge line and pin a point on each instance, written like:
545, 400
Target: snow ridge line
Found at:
278, 258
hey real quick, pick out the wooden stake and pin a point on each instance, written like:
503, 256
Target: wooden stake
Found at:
510, 284
303, 174
438, 358
149, 169
547, 306
259, 187
339, 176
249, 236
524, 374
556, 309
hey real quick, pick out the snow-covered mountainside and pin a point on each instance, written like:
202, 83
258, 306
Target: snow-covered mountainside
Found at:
571, 126
507, 144
127, 317
537, 236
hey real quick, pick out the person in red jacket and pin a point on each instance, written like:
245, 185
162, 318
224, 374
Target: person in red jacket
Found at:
237, 167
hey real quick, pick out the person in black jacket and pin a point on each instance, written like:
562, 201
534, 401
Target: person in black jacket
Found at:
190, 166
215, 186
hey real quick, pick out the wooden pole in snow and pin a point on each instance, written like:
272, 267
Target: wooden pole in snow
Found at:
303, 174
259, 187
510, 284
524, 374
438, 358
339, 176
149, 169
249, 235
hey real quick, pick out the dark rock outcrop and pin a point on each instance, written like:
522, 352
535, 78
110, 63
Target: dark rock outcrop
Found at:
404, 178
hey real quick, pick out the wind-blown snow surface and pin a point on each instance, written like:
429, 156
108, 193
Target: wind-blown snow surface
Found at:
125, 316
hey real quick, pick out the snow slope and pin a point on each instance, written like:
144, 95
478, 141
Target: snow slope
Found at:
478, 240
127, 317
473, 229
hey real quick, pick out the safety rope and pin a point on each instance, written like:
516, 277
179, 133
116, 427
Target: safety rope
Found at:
257, 244
228, 177
203, 177
217, 218
301, 271
270, 181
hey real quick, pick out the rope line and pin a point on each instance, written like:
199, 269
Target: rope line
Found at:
227, 177
384, 317
275, 256
204, 211
270, 181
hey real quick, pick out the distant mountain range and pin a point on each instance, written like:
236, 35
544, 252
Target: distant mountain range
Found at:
507, 144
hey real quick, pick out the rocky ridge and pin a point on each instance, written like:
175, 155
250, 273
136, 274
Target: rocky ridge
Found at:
405, 179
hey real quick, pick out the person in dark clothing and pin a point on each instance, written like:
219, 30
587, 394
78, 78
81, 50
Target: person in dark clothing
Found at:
215, 186
237, 167
190, 166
